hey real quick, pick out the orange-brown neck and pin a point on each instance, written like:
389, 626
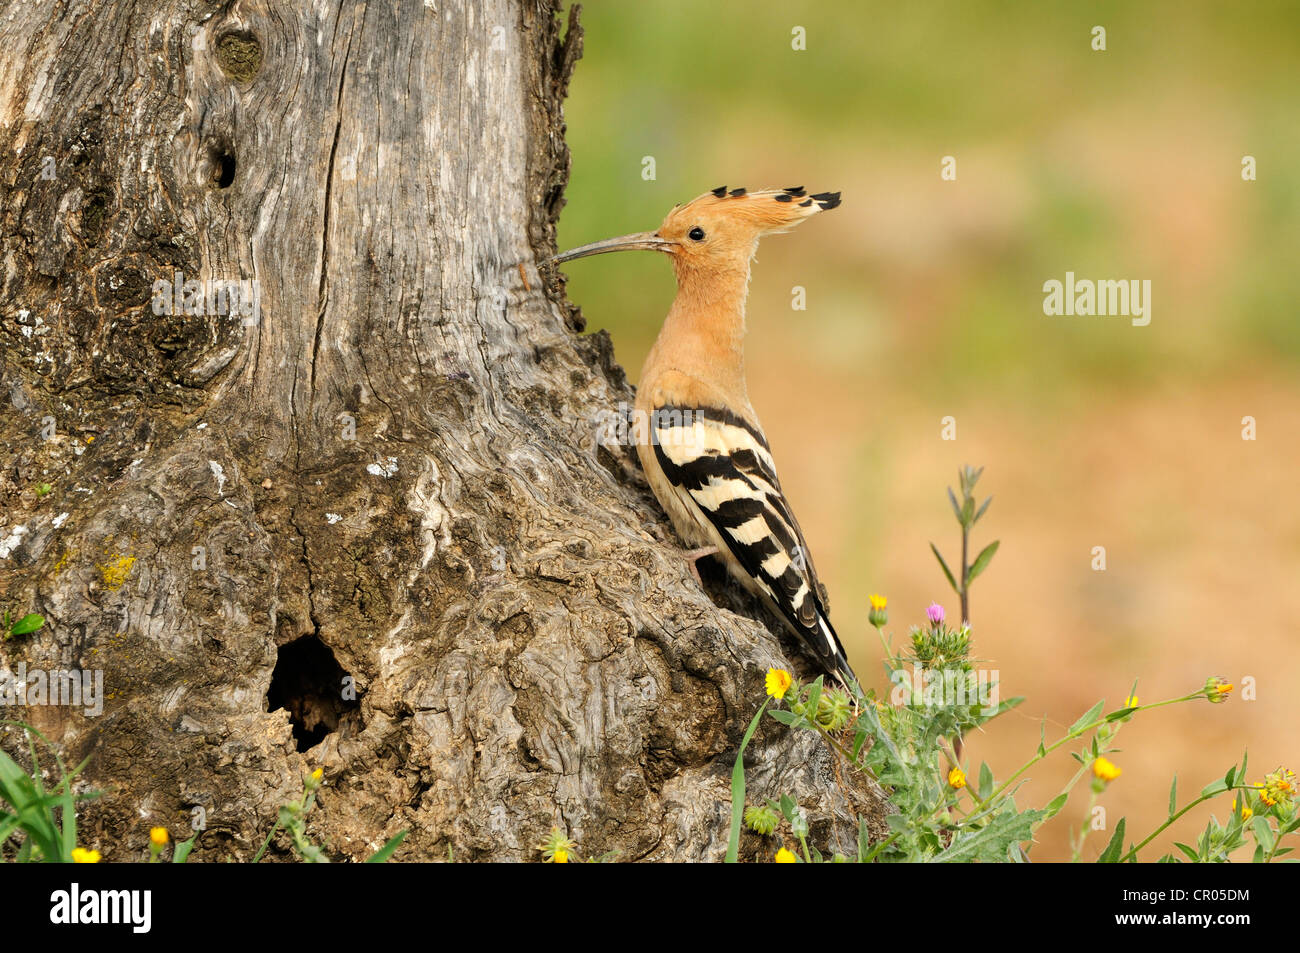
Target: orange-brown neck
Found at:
704, 333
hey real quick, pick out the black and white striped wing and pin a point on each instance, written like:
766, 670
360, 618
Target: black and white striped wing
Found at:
724, 465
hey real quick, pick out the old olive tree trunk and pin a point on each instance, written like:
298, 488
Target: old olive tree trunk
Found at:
356, 515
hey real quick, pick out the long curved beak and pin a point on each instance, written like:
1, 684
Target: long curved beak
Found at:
647, 241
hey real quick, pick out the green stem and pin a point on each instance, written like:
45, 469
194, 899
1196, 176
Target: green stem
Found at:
1076, 846
1268, 858
965, 570
1132, 851
889, 652
881, 846
738, 786
1078, 732
267, 843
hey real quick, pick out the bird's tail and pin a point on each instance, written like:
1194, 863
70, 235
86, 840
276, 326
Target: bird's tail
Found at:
835, 659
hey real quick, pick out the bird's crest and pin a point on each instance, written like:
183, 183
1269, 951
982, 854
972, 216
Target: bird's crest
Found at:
768, 210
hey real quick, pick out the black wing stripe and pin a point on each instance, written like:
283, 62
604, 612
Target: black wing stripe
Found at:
673, 415
724, 465
735, 512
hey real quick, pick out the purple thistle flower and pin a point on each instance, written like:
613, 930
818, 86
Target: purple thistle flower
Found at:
934, 613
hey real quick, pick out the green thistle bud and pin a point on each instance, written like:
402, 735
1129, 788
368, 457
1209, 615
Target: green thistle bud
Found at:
761, 820
833, 709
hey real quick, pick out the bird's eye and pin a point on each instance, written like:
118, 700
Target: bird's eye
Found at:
696, 234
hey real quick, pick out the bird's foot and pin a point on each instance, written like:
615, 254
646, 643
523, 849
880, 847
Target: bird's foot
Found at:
694, 556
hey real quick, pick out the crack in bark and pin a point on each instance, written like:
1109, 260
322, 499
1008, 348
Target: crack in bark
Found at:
322, 294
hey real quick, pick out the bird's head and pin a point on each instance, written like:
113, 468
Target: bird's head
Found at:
719, 231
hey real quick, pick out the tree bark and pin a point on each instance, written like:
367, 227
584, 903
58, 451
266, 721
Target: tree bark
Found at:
370, 527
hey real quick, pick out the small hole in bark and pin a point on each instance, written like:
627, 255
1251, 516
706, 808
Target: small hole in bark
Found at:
239, 54
309, 683
221, 164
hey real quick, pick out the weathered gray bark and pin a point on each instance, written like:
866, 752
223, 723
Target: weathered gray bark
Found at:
527, 644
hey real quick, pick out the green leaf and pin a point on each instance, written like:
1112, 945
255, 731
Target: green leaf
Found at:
738, 786
783, 716
1119, 713
1088, 717
381, 856
859, 740
1054, 806
788, 807
28, 623
814, 695
956, 507
69, 817
985, 786
980, 512
1263, 833
1214, 787
1111, 854
982, 561
897, 823
1009, 704
946, 571
992, 842
25, 794
799, 823
1190, 852
182, 851
864, 839
1173, 797
1042, 738
1228, 778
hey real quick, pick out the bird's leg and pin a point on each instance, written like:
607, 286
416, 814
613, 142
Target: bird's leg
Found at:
694, 556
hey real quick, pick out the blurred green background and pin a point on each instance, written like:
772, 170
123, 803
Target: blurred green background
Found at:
924, 300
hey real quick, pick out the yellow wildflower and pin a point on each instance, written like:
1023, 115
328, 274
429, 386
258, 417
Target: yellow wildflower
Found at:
158, 836
1132, 701
1246, 812
1105, 770
784, 856
318, 774
82, 856
956, 779
778, 682
878, 617
1217, 689
1278, 787
557, 847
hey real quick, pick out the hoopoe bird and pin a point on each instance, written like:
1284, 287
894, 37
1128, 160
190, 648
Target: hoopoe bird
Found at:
698, 438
